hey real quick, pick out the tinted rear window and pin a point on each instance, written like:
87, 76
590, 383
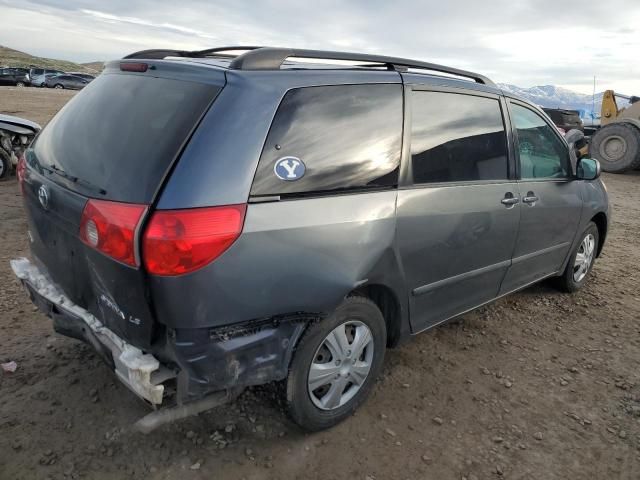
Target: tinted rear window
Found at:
121, 133
346, 136
457, 138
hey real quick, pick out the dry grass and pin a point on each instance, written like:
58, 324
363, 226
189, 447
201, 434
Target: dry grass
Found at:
14, 58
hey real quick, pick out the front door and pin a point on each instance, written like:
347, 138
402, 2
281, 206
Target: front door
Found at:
458, 211
550, 199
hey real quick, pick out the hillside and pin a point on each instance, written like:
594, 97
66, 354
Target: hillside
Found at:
95, 66
556, 97
15, 58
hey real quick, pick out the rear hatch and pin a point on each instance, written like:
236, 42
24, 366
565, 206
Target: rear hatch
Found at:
113, 144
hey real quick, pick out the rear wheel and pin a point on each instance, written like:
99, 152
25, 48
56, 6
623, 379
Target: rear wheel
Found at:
581, 262
19, 84
336, 364
617, 147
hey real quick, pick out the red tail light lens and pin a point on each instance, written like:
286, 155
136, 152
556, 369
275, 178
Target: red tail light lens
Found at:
181, 241
110, 228
21, 171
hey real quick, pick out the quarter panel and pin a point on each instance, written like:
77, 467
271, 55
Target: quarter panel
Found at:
293, 256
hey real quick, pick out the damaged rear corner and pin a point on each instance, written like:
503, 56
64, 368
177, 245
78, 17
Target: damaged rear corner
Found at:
141, 372
238, 356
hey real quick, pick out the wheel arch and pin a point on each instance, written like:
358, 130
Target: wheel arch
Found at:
600, 219
388, 303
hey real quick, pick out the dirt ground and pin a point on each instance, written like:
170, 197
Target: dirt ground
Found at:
539, 385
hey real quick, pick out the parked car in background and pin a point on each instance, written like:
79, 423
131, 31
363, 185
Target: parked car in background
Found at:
86, 76
39, 80
201, 253
70, 82
36, 76
565, 119
14, 76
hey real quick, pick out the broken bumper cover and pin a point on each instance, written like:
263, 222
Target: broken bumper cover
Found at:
202, 360
133, 367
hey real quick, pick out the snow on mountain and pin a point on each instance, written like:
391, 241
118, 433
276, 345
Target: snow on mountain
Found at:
555, 97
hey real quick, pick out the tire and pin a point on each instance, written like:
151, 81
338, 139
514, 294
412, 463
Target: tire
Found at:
569, 281
58, 85
5, 164
20, 84
617, 147
304, 405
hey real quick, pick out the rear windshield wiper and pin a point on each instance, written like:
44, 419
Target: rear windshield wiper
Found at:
58, 171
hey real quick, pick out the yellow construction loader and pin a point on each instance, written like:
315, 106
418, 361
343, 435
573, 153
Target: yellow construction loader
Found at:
616, 144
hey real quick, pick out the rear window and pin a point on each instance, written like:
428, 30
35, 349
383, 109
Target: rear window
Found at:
331, 139
118, 137
457, 138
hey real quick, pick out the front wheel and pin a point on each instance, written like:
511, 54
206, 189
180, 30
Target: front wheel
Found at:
20, 84
581, 261
336, 364
58, 86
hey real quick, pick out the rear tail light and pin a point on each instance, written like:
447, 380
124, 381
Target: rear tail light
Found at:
181, 241
21, 171
110, 228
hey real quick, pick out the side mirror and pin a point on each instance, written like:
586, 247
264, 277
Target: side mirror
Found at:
588, 169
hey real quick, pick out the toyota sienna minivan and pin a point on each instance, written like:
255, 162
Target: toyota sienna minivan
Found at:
213, 220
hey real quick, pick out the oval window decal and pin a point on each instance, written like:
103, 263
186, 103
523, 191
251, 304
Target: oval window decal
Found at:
289, 169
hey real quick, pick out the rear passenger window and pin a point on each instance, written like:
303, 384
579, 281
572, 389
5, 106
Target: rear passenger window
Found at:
332, 139
457, 138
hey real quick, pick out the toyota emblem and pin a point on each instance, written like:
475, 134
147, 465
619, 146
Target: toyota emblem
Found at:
43, 196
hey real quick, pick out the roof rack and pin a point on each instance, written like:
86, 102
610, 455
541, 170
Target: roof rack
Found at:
272, 58
268, 58
159, 54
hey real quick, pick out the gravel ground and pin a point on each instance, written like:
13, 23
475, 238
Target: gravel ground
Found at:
539, 385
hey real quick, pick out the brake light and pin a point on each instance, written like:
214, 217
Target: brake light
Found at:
110, 228
133, 67
21, 171
181, 241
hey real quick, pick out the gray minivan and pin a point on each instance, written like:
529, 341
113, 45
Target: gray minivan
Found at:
230, 217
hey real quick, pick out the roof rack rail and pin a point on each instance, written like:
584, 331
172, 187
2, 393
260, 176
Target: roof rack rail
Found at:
219, 51
268, 58
159, 54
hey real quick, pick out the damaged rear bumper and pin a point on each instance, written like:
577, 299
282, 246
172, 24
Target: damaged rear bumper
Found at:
196, 362
139, 371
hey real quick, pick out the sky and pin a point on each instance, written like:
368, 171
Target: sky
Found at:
522, 42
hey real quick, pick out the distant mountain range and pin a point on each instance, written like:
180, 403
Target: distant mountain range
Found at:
556, 97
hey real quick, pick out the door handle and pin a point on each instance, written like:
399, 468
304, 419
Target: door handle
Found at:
509, 200
530, 198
